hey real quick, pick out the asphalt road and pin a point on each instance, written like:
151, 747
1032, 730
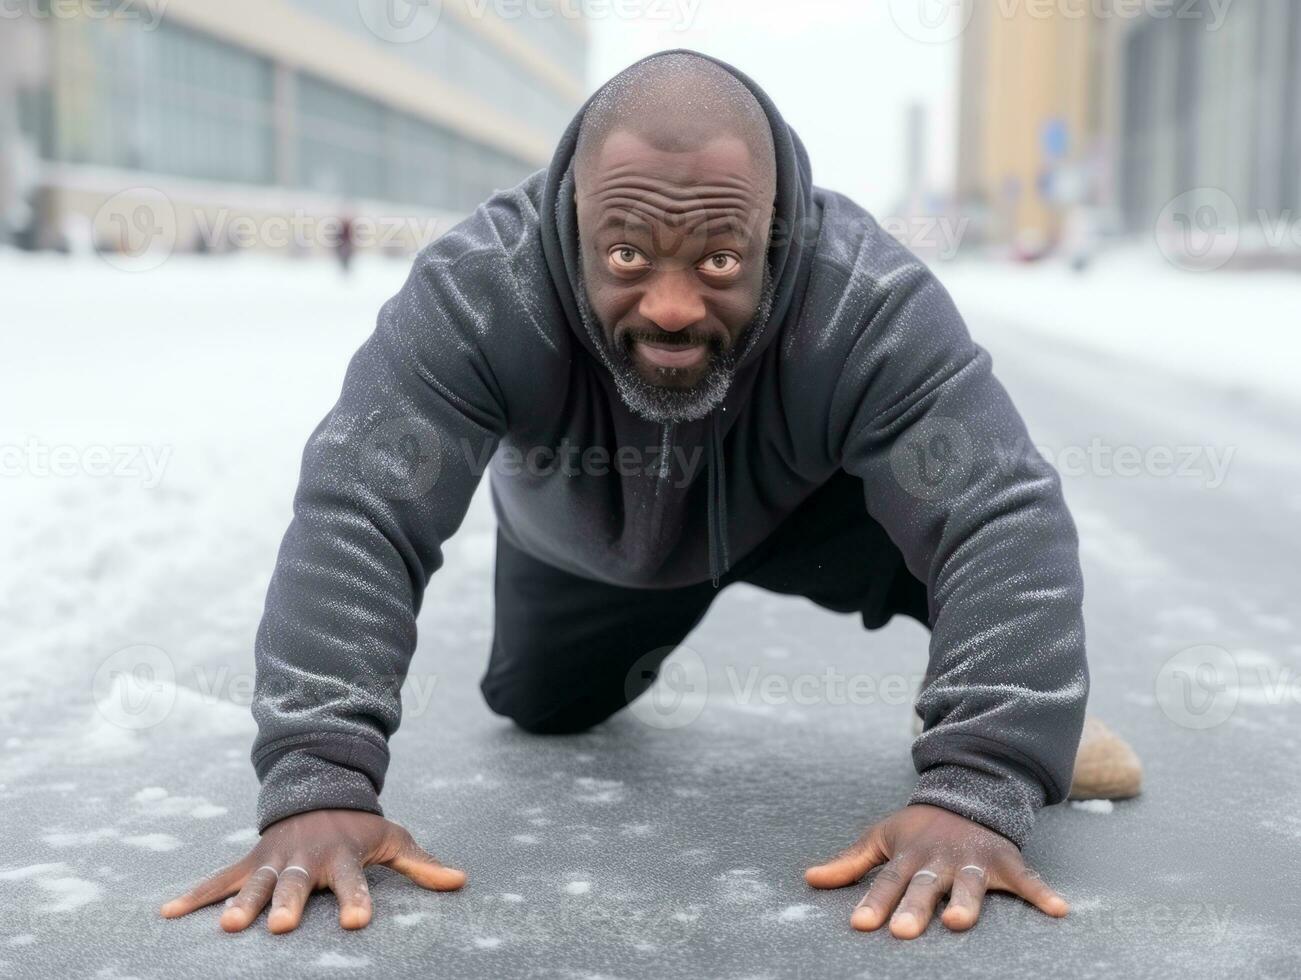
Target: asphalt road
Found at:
644, 851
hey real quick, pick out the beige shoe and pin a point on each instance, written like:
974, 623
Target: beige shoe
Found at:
1106, 768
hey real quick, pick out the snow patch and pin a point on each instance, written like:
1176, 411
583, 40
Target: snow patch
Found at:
153, 842
796, 913
1093, 806
339, 961
578, 888
69, 893
79, 839
599, 790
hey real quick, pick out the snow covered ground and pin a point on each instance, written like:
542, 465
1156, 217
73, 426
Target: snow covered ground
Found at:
150, 428
1227, 331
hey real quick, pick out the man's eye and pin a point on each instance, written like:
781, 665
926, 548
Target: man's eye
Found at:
627, 257
722, 263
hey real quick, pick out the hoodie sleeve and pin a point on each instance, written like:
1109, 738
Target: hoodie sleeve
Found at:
386, 478
950, 473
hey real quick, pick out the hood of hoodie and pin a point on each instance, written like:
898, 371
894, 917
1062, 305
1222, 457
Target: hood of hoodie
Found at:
792, 212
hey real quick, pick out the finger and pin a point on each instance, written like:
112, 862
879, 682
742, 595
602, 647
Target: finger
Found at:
965, 898
423, 868
850, 864
251, 900
214, 888
289, 899
881, 898
925, 889
1016, 878
348, 882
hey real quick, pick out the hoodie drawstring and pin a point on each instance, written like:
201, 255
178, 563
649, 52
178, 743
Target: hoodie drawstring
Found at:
719, 560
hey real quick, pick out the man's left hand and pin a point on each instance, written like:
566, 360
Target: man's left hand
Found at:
927, 853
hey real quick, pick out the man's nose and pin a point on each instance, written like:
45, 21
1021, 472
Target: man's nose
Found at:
672, 302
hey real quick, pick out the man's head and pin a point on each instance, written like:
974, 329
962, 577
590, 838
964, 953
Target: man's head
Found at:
676, 177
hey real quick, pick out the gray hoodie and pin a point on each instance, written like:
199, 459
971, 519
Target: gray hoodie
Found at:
863, 365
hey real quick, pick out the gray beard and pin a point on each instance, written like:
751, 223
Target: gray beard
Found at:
662, 404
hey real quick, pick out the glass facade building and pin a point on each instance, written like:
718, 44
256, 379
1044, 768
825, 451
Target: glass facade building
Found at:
301, 96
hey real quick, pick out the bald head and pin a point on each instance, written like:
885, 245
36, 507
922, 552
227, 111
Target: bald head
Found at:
678, 103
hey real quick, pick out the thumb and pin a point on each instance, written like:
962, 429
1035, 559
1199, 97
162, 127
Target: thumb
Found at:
850, 864
423, 868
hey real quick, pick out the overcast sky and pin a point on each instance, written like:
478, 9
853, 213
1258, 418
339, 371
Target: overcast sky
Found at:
842, 72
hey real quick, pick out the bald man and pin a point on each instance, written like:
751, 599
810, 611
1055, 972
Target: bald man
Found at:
684, 366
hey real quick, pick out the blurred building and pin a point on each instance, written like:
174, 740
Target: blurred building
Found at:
1029, 120
1079, 119
1211, 108
266, 108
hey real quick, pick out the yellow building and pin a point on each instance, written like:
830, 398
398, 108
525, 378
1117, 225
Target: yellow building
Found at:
1030, 108
278, 109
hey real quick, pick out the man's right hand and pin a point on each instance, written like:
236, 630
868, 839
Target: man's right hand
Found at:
317, 849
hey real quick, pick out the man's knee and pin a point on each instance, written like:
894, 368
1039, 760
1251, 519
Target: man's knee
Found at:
537, 714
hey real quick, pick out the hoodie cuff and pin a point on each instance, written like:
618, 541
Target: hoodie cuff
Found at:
300, 780
1005, 802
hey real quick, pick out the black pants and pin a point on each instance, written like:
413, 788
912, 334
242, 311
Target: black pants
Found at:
564, 646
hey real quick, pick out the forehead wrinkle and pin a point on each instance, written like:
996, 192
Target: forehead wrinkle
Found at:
636, 216
670, 207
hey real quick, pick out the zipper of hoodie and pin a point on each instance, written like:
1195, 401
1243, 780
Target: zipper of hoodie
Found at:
663, 470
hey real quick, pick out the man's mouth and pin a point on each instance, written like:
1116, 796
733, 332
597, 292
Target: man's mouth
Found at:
671, 356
